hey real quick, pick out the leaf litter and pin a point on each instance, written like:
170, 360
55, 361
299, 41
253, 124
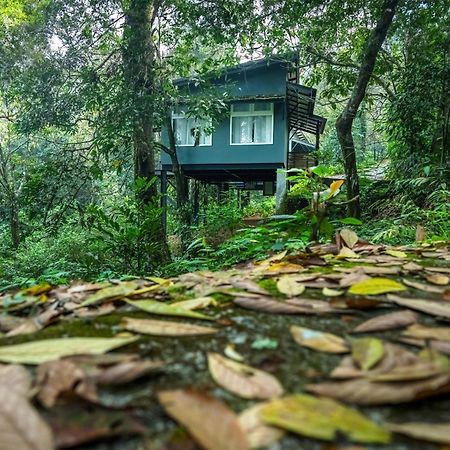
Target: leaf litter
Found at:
297, 290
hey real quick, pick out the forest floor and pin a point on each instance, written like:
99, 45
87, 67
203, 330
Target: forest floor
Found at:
343, 347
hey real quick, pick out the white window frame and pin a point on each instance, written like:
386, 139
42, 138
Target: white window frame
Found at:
185, 116
251, 113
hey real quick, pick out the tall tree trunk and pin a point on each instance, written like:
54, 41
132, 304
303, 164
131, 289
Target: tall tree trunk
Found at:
138, 57
15, 224
345, 120
139, 72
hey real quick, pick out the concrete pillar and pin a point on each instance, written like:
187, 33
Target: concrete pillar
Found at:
281, 191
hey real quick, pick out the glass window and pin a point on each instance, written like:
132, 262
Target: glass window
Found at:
191, 132
253, 125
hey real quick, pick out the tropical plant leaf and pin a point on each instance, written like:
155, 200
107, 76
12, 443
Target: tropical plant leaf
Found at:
243, 380
317, 340
376, 286
201, 414
163, 309
165, 328
38, 352
321, 418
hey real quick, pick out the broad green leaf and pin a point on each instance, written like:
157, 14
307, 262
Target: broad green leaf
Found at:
321, 418
38, 352
117, 291
367, 352
163, 309
289, 286
350, 221
376, 286
317, 340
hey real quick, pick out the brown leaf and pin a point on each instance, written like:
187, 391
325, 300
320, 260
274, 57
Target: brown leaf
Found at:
165, 328
15, 377
431, 307
126, 372
313, 306
102, 310
390, 321
317, 340
352, 278
440, 346
243, 380
267, 304
431, 432
423, 332
412, 267
258, 433
54, 378
421, 234
440, 280
394, 356
8, 323
35, 323
423, 287
201, 414
21, 427
248, 285
366, 392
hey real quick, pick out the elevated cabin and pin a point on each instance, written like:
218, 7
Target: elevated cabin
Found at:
270, 125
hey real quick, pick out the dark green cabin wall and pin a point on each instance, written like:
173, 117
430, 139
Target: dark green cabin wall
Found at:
264, 81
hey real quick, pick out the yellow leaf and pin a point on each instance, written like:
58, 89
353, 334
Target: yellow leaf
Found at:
375, 286
396, 253
346, 253
316, 340
367, 352
290, 287
334, 188
321, 418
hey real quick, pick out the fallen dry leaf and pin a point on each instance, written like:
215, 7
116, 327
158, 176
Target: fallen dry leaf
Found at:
201, 413
289, 286
165, 328
390, 321
164, 309
36, 323
349, 237
243, 380
431, 432
423, 332
317, 340
440, 280
37, 352
196, 303
376, 286
367, 352
267, 304
110, 293
434, 308
363, 391
258, 434
15, 377
321, 418
346, 253
423, 287
127, 371
21, 427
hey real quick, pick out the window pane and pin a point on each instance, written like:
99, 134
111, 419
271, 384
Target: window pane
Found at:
192, 130
262, 129
180, 130
241, 107
241, 130
263, 106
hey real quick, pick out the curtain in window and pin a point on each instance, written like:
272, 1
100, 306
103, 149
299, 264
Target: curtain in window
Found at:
242, 129
262, 129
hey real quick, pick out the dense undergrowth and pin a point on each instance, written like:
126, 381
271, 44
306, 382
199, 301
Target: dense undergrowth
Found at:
112, 242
